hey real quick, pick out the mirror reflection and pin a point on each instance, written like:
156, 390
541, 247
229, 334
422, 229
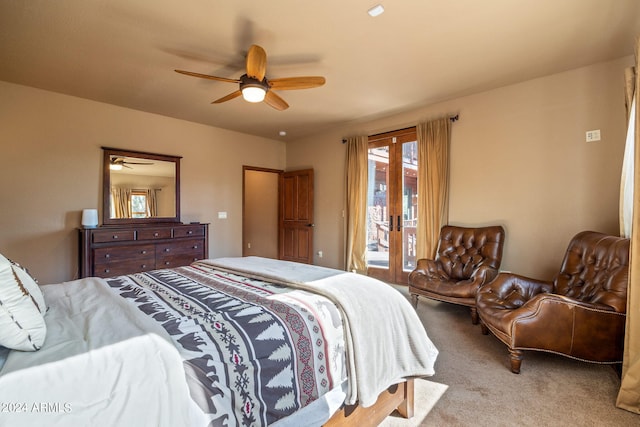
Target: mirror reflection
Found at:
140, 187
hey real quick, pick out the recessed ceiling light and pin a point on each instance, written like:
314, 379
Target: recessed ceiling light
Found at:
376, 10
283, 133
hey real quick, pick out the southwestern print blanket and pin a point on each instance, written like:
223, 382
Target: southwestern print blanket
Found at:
385, 339
254, 352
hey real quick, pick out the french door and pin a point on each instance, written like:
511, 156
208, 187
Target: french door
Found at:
392, 205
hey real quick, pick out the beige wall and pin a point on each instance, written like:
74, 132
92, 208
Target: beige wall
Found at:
51, 169
518, 158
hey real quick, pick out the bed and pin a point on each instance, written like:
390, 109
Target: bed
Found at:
223, 342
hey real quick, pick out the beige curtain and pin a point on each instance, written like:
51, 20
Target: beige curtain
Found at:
120, 203
629, 395
433, 184
356, 214
626, 182
152, 202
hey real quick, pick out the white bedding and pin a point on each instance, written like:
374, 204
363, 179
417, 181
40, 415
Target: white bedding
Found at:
97, 371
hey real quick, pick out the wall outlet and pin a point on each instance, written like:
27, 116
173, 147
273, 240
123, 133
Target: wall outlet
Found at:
593, 135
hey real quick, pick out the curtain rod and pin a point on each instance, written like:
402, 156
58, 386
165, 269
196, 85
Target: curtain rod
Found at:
452, 118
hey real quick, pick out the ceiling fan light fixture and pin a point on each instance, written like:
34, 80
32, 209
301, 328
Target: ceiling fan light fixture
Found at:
253, 93
253, 90
115, 166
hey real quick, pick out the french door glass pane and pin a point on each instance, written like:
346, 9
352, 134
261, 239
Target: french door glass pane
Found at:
377, 208
409, 204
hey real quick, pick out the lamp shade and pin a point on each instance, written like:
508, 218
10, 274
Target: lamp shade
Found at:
89, 218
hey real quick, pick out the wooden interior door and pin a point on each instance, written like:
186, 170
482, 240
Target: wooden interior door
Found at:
296, 216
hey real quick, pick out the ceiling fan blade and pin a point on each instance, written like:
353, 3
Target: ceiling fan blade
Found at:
292, 83
256, 62
275, 101
229, 97
135, 163
206, 76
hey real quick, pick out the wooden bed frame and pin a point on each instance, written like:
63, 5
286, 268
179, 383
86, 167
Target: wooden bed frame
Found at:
398, 396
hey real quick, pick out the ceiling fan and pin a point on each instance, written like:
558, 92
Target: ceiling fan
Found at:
255, 87
117, 163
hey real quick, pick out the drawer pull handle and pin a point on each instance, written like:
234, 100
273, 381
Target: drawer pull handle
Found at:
143, 266
167, 249
107, 256
144, 252
155, 234
190, 232
115, 236
195, 246
106, 270
167, 263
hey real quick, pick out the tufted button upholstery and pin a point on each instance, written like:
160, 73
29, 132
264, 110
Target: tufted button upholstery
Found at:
580, 313
466, 259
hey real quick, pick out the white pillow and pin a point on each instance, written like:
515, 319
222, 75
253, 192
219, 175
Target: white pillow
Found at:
22, 306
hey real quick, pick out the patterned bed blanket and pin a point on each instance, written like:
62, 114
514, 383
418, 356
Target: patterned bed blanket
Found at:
385, 340
254, 352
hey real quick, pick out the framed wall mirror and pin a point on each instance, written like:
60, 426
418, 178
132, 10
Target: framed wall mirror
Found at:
139, 187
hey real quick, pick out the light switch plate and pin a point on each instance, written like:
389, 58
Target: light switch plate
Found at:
593, 135
222, 215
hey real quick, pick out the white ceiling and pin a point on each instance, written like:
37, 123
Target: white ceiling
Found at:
418, 52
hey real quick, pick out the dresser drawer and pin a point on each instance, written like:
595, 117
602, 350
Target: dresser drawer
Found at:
180, 247
120, 268
179, 252
113, 236
123, 253
150, 234
189, 231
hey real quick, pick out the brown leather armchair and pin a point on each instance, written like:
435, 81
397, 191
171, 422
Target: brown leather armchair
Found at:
580, 314
466, 259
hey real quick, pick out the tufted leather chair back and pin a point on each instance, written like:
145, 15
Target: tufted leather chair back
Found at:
595, 270
461, 250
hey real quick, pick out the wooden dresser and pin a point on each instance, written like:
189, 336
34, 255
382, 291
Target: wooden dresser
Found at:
112, 251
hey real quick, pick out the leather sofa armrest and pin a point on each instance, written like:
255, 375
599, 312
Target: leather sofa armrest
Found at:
583, 330
577, 304
429, 268
513, 291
